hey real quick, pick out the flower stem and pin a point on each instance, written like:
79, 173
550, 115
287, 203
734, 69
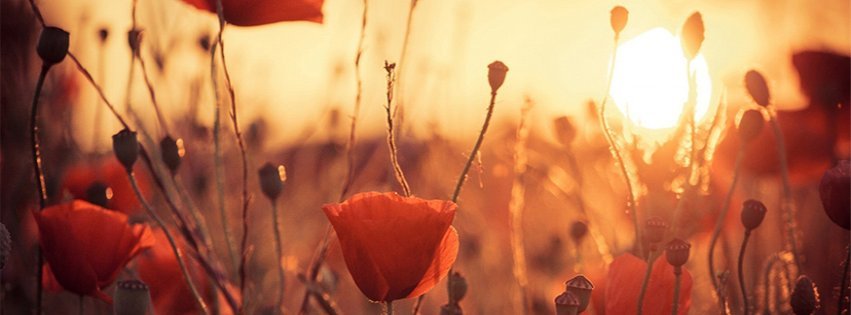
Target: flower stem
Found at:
676, 304
719, 223
516, 204
39, 175
647, 272
180, 259
388, 308
463, 177
786, 204
842, 286
391, 139
741, 273
278, 251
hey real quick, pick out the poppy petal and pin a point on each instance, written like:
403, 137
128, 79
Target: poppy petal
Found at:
251, 13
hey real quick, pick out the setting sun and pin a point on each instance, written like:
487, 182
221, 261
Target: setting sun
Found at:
650, 84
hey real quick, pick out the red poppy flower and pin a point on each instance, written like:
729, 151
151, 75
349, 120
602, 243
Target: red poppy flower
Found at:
86, 246
159, 269
108, 171
624, 284
259, 12
395, 247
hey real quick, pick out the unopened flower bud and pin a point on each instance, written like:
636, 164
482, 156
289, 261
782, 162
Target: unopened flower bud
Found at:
134, 37
692, 35
5, 245
496, 75
757, 87
457, 287
126, 148
835, 192
750, 125
567, 303
654, 230
172, 153
99, 194
272, 180
619, 17
753, 211
132, 297
564, 130
581, 287
677, 252
53, 45
805, 296
578, 230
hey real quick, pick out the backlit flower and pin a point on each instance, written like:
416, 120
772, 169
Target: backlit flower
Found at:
395, 247
624, 283
86, 246
259, 12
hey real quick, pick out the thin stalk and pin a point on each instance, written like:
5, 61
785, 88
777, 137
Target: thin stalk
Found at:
404, 53
391, 139
676, 304
842, 286
200, 223
96, 132
741, 273
719, 223
647, 272
516, 204
197, 297
278, 251
39, 174
388, 308
150, 85
788, 211
463, 177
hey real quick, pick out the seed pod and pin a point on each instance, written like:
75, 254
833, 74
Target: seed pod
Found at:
805, 296
126, 148
565, 132
99, 194
172, 153
677, 252
272, 180
619, 17
457, 287
753, 212
132, 297
750, 125
654, 230
496, 75
52, 45
567, 303
578, 230
757, 87
692, 35
5, 245
835, 192
581, 287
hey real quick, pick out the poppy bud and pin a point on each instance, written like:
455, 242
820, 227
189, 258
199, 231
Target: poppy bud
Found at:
805, 297
99, 194
457, 287
654, 229
692, 35
567, 303
451, 309
103, 34
52, 45
835, 192
753, 211
272, 180
619, 18
496, 75
750, 125
5, 245
677, 253
172, 153
132, 297
581, 287
134, 36
578, 230
126, 148
564, 130
757, 87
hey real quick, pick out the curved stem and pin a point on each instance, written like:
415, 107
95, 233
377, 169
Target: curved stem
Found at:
475, 151
786, 204
719, 222
741, 273
647, 272
391, 139
39, 173
180, 259
676, 304
278, 251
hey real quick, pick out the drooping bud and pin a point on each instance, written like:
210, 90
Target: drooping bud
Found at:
835, 192
750, 125
126, 148
581, 287
692, 35
564, 130
677, 252
654, 231
619, 17
99, 194
5, 245
578, 230
757, 87
272, 180
457, 287
805, 296
53, 45
134, 37
172, 153
496, 75
753, 211
567, 303
132, 297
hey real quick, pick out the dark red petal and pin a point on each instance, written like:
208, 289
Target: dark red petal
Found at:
251, 13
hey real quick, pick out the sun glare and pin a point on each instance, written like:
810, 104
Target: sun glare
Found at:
650, 85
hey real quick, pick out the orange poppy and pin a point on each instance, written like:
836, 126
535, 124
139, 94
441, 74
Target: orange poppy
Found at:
159, 269
79, 179
395, 247
626, 273
251, 13
86, 246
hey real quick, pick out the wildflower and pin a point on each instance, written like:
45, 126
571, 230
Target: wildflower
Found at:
626, 273
86, 246
53, 45
251, 13
104, 182
395, 247
835, 192
757, 88
618, 19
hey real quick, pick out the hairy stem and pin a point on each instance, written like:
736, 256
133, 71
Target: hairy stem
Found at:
786, 204
741, 273
516, 204
719, 223
391, 139
39, 174
463, 177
